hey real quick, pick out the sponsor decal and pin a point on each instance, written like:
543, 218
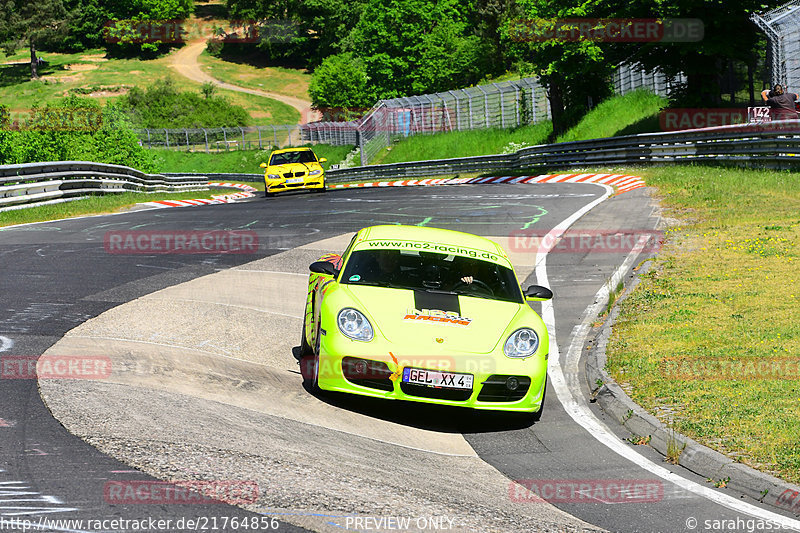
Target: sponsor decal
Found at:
431, 247
437, 316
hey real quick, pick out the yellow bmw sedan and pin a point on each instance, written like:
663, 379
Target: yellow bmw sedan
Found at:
293, 168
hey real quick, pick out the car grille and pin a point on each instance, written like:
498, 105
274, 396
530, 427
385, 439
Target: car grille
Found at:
494, 389
294, 174
421, 391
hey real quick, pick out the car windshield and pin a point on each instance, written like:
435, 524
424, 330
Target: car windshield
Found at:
300, 156
435, 272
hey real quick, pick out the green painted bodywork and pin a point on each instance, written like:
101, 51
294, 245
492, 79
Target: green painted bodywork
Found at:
476, 348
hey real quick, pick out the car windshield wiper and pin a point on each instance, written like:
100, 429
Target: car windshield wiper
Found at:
370, 283
441, 291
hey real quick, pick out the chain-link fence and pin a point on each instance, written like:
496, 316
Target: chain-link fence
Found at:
496, 105
632, 77
782, 28
221, 139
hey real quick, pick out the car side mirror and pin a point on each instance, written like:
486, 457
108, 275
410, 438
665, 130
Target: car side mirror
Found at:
537, 293
322, 160
323, 267
263, 165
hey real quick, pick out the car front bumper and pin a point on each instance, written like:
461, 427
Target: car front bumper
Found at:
490, 373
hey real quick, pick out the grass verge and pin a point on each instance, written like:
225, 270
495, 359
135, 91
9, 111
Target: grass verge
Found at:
95, 205
465, 143
635, 112
237, 161
724, 290
247, 72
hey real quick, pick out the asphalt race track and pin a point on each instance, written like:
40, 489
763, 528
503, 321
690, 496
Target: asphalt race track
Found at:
204, 385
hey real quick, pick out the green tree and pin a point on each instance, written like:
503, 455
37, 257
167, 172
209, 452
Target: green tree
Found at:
26, 23
340, 87
302, 32
729, 36
125, 14
163, 106
414, 46
572, 72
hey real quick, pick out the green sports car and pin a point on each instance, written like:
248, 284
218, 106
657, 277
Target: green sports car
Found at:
426, 315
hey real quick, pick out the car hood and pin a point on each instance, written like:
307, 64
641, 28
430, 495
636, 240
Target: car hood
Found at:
293, 167
413, 320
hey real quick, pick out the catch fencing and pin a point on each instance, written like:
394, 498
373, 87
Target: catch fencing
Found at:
221, 139
496, 105
782, 28
632, 77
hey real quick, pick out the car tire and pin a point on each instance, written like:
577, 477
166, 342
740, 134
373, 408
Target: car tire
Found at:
268, 194
314, 381
305, 348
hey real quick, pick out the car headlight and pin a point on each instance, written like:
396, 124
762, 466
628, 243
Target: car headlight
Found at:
315, 173
522, 343
355, 325
273, 176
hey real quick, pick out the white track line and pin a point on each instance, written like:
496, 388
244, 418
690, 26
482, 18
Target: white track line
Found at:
569, 394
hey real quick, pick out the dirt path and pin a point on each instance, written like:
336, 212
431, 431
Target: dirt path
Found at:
185, 63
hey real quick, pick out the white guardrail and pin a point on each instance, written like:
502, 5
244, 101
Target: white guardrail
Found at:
53, 182
773, 144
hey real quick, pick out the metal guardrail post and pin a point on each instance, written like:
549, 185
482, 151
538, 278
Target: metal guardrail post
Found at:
458, 110
205, 136
186, 131
242, 130
469, 107
166, 134
485, 107
502, 106
149, 143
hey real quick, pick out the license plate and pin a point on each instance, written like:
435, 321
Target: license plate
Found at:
294, 180
434, 378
